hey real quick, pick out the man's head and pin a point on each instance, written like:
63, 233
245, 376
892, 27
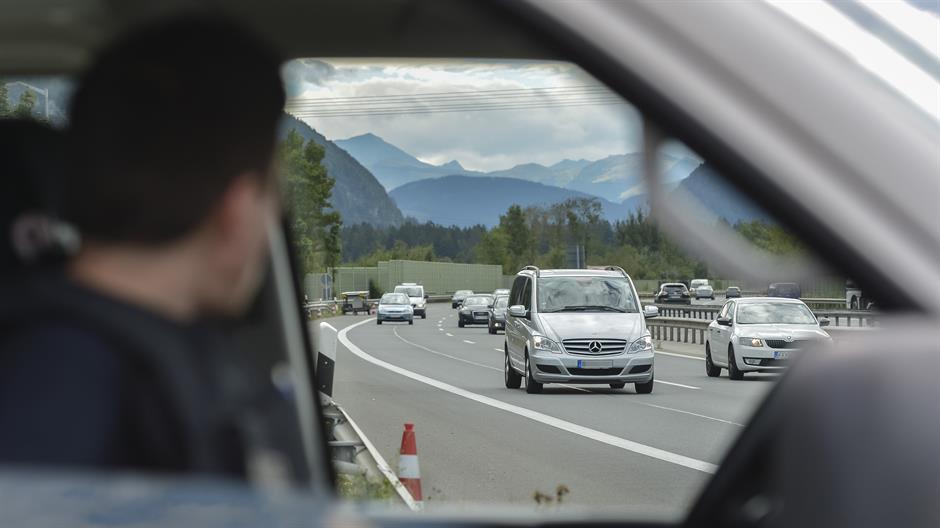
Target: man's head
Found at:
173, 132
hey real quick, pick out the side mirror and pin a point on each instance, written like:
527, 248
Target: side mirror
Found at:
426, 297
823, 321
650, 311
723, 321
517, 310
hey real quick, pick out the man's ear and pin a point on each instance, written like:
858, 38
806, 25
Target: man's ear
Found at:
235, 207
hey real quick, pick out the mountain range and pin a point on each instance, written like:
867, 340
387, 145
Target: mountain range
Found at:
614, 178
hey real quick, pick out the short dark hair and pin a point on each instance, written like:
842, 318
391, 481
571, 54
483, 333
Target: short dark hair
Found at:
163, 121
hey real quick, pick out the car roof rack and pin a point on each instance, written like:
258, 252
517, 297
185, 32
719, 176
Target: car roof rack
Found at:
532, 268
616, 268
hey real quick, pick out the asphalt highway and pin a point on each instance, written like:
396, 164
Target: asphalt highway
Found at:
479, 442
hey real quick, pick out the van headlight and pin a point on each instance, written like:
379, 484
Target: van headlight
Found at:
750, 341
643, 344
545, 344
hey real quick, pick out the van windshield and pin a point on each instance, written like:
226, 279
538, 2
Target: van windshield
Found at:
589, 294
410, 291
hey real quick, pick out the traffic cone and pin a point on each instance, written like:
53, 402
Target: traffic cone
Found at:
408, 472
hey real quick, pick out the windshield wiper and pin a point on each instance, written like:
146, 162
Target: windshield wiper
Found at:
590, 308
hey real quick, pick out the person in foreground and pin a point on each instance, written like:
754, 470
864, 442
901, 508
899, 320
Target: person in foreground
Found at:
171, 187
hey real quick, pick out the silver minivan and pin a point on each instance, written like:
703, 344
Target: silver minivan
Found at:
577, 326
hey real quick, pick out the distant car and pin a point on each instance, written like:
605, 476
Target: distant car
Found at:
500, 291
394, 307
701, 289
761, 334
733, 292
415, 293
673, 292
459, 296
855, 298
475, 310
498, 313
789, 290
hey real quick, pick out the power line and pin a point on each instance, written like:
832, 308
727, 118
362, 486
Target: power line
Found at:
431, 95
455, 104
418, 103
452, 108
449, 100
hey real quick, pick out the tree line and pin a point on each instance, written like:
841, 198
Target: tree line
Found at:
23, 108
544, 236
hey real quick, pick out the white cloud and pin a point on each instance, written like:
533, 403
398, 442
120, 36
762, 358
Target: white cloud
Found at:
481, 140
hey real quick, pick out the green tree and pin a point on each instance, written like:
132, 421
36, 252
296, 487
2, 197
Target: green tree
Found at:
492, 249
308, 188
24, 108
518, 237
4, 100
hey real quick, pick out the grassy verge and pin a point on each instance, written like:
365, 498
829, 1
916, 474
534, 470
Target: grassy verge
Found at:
360, 488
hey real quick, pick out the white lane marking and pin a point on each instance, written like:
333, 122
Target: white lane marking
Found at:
572, 387
426, 349
657, 406
677, 384
551, 421
684, 356
469, 342
694, 414
448, 334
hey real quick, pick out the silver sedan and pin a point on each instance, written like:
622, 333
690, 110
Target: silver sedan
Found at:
761, 334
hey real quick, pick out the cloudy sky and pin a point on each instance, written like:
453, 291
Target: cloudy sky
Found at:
545, 131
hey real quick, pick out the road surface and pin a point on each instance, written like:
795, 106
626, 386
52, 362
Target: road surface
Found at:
480, 442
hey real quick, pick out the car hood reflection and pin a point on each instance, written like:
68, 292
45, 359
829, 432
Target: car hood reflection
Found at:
605, 325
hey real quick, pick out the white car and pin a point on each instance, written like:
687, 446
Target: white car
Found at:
394, 307
415, 293
761, 334
701, 289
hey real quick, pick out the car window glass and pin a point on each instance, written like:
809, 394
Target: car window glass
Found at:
527, 294
724, 310
515, 294
484, 175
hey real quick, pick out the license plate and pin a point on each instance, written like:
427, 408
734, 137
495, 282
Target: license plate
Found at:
781, 354
595, 363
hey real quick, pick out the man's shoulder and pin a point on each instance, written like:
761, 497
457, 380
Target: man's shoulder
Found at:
60, 346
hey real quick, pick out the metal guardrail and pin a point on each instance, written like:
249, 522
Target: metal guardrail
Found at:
692, 331
709, 312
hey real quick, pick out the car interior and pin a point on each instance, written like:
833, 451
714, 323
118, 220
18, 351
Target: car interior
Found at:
838, 442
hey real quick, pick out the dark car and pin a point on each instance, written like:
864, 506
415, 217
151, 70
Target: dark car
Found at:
498, 313
475, 310
732, 292
790, 290
673, 292
458, 297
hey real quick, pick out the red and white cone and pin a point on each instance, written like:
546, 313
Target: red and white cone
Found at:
408, 471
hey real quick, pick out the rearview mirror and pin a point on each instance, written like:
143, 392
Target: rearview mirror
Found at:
650, 311
723, 321
517, 310
823, 321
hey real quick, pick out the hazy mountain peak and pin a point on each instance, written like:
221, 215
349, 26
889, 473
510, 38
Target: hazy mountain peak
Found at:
453, 165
